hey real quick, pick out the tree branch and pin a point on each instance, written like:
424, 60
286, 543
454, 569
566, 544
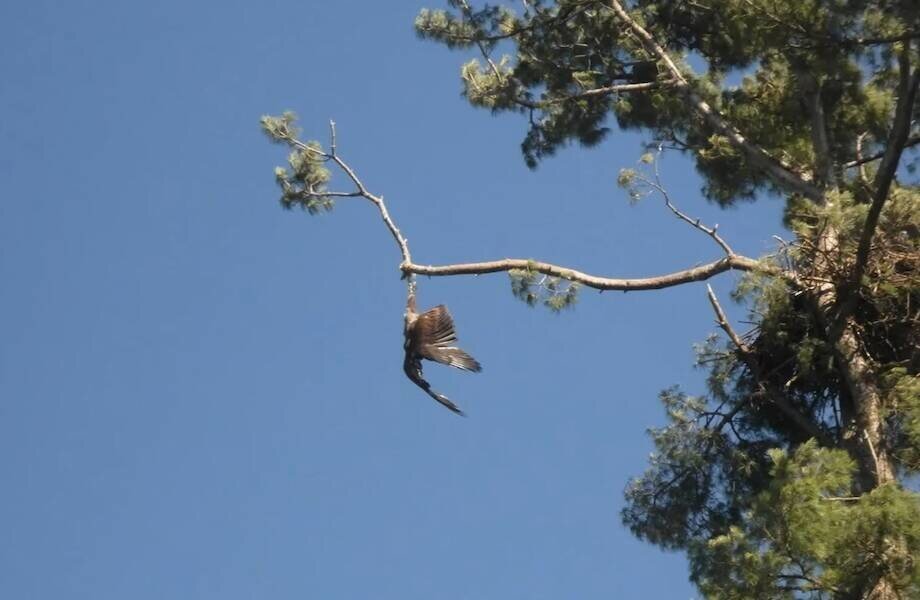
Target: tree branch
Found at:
363, 192
696, 223
774, 395
781, 173
884, 177
467, 11
306, 194
865, 436
860, 160
700, 273
900, 130
601, 91
860, 163
824, 165
731, 261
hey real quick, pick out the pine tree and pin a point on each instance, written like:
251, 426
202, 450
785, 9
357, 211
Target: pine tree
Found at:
788, 476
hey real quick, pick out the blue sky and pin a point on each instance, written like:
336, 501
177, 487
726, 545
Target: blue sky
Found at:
201, 395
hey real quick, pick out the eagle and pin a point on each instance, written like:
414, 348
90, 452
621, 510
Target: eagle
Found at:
431, 336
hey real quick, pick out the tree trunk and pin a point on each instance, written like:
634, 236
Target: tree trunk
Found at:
859, 379
864, 436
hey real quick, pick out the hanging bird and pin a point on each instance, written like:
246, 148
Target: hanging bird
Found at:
431, 335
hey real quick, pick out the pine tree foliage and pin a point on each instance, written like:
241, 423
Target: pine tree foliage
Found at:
304, 183
532, 287
789, 475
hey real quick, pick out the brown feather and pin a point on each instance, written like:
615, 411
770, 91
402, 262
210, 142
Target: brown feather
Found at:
432, 336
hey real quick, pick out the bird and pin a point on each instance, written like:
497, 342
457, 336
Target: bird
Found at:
431, 336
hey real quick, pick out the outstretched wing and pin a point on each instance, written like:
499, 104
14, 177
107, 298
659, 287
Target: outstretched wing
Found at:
413, 368
435, 339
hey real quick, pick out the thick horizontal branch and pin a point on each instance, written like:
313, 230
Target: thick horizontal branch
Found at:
699, 273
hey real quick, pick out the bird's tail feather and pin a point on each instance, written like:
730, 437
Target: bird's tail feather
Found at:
445, 401
414, 371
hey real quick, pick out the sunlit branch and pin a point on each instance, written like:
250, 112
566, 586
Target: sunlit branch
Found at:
593, 92
702, 272
699, 273
657, 185
824, 165
362, 191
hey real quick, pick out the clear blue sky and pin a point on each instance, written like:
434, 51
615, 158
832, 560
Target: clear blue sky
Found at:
201, 395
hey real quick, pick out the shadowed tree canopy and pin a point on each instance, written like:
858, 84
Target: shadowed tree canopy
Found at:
788, 477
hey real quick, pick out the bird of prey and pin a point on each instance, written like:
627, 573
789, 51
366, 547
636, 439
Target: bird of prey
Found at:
431, 336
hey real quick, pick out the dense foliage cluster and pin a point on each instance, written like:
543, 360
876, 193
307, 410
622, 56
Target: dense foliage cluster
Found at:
304, 182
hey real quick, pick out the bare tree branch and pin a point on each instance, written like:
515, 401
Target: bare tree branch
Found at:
824, 165
659, 187
601, 91
700, 273
865, 436
781, 173
860, 163
722, 322
363, 192
731, 261
860, 160
871, 41
774, 395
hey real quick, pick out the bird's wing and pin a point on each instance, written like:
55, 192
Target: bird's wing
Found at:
435, 338
436, 327
413, 368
